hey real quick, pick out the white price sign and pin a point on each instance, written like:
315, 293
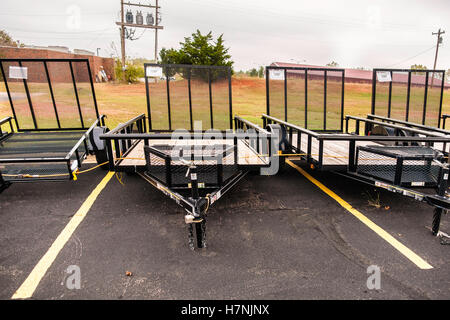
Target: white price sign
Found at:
384, 76
276, 74
154, 72
18, 72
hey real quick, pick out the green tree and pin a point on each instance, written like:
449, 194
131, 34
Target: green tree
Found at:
252, 72
332, 64
133, 72
418, 67
261, 72
199, 49
7, 40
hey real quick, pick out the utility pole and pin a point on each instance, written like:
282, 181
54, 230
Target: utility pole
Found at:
439, 41
122, 39
156, 31
135, 24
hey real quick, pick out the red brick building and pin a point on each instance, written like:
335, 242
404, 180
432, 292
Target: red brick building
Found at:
31, 53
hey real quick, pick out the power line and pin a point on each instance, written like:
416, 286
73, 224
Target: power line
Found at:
410, 58
96, 38
53, 14
63, 38
58, 32
318, 19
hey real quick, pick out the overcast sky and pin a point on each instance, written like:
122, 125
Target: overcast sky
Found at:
354, 33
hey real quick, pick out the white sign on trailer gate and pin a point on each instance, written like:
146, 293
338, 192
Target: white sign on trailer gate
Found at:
154, 72
276, 74
18, 72
384, 76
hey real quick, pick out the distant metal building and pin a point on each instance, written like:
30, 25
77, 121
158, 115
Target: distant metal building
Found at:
359, 76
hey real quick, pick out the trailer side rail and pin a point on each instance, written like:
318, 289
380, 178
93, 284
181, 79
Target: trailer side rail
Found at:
409, 124
122, 140
294, 139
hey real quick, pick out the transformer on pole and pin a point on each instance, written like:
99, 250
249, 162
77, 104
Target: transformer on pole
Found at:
129, 20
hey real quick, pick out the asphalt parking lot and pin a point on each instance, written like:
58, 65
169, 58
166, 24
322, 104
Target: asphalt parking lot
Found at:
277, 237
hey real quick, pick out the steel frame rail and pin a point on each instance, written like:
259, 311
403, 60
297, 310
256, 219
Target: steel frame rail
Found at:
409, 124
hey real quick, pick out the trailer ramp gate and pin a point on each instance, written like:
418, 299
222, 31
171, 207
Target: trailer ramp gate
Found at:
312, 98
55, 118
410, 95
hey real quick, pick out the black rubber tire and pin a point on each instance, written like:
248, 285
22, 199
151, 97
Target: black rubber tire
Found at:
405, 133
101, 156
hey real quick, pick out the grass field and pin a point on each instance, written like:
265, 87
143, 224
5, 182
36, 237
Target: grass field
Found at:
121, 102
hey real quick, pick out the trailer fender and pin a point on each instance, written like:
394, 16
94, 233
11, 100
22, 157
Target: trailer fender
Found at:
405, 133
98, 146
380, 130
283, 144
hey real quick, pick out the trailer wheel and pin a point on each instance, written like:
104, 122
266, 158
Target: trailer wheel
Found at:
101, 156
388, 131
97, 146
382, 131
404, 133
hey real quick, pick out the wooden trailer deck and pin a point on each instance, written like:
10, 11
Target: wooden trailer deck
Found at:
335, 152
246, 155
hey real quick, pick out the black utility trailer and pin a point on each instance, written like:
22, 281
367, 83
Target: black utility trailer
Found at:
56, 121
186, 146
394, 154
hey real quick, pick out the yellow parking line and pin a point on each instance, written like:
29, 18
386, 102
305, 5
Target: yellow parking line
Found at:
27, 288
418, 261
